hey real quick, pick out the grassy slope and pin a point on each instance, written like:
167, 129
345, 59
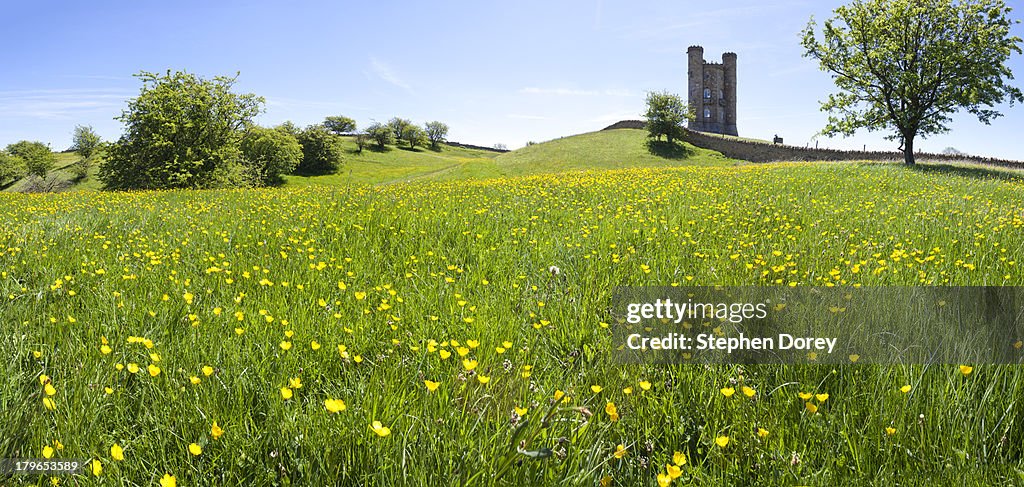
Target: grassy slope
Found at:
395, 164
612, 149
63, 174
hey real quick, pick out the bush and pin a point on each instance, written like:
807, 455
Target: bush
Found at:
182, 131
38, 158
269, 154
12, 168
321, 151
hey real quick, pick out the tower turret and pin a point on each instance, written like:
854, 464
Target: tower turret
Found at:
695, 83
729, 82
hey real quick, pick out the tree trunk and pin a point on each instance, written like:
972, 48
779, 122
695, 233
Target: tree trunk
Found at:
908, 150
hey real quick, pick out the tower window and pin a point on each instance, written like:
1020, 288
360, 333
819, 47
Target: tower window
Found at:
721, 95
707, 93
707, 113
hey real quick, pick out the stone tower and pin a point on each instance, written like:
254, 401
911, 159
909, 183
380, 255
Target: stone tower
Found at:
712, 92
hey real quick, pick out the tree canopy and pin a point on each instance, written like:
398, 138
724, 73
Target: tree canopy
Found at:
85, 141
36, 157
436, 133
907, 65
666, 113
182, 131
340, 125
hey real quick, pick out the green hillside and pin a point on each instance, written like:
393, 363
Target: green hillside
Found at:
396, 164
61, 178
606, 149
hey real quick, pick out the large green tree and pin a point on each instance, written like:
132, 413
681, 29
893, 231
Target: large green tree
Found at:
436, 133
666, 113
907, 65
340, 125
382, 134
182, 131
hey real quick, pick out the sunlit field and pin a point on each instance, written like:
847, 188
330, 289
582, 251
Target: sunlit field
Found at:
459, 333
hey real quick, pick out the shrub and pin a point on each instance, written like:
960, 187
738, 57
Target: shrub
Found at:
38, 158
321, 151
12, 167
270, 154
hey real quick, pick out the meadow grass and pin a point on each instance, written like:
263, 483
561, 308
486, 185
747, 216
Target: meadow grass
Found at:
296, 296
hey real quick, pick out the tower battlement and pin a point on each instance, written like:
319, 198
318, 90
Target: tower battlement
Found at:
712, 92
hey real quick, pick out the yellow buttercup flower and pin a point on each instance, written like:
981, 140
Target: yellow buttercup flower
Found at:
207, 370
49, 390
645, 385
727, 391
806, 396
483, 379
811, 407
673, 471
678, 458
334, 405
47, 451
431, 385
664, 480
116, 452
195, 380
722, 441
286, 393
620, 451
380, 429
905, 389
195, 449
49, 403
153, 370
521, 411
469, 364
821, 397
168, 480
762, 433
966, 369
216, 431
96, 467
889, 430
286, 345
133, 368
612, 411
749, 392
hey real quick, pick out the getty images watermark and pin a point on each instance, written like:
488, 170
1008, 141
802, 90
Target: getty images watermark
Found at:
819, 325
679, 312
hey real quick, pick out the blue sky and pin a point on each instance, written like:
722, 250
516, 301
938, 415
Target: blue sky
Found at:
496, 72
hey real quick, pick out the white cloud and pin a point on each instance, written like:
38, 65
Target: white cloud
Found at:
385, 72
61, 104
